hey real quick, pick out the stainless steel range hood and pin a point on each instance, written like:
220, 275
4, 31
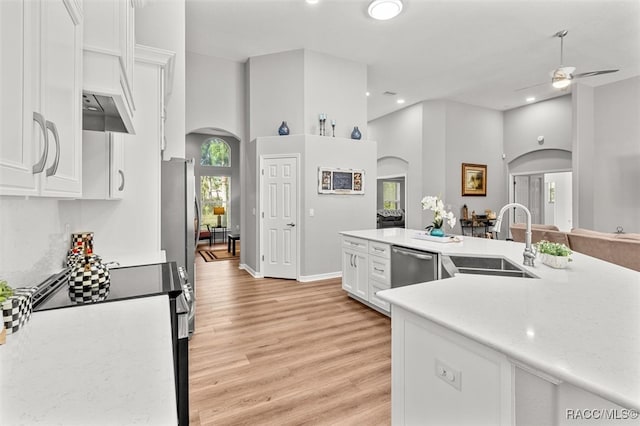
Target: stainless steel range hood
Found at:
104, 113
107, 101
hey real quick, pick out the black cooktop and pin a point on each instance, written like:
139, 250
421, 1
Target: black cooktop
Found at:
125, 283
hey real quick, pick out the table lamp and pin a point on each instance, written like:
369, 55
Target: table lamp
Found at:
219, 211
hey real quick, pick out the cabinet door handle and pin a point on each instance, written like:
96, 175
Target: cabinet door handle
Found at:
379, 270
355, 261
351, 260
121, 187
54, 167
39, 166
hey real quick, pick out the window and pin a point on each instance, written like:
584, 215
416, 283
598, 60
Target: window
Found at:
391, 195
214, 192
215, 152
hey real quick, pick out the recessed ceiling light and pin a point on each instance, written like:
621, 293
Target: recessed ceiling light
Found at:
312, 1
385, 9
530, 99
400, 101
368, 94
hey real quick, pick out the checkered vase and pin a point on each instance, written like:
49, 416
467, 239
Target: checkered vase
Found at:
89, 281
17, 309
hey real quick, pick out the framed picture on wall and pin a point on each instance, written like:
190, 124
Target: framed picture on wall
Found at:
340, 181
474, 179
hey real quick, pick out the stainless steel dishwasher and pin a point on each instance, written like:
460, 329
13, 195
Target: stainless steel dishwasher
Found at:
409, 266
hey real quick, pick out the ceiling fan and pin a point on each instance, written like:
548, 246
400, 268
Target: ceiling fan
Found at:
562, 76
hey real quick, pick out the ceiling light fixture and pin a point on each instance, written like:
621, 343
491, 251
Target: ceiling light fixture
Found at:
530, 99
400, 101
562, 77
312, 1
368, 94
385, 9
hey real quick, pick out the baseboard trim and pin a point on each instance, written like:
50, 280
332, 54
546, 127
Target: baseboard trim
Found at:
251, 272
318, 277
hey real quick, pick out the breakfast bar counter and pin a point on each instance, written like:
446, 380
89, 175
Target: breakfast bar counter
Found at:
579, 325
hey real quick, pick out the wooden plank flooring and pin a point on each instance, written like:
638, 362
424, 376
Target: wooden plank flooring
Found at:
280, 352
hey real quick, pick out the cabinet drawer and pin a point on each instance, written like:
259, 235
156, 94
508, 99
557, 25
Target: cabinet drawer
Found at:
380, 249
375, 287
355, 244
380, 269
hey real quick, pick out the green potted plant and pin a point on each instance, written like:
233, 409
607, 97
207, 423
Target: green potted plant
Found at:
555, 255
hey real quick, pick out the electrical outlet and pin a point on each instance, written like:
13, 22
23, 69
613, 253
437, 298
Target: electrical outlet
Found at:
449, 375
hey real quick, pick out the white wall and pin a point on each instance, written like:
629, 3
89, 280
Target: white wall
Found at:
474, 135
161, 24
34, 240
338, 88
435, 138
215, 94
276, 93
616, 160
319, 238
551, 119
296, 86
399, 135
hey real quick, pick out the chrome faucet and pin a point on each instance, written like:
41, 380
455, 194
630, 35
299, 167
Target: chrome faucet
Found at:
529, 253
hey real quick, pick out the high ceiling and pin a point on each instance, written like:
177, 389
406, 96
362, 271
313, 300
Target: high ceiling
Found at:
473, 51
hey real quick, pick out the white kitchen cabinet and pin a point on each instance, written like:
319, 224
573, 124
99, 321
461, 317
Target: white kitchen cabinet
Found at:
109, 44
41, 51
355, 267
443, 378
103, 166
379, 273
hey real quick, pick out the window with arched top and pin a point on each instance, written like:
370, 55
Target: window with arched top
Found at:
215, 152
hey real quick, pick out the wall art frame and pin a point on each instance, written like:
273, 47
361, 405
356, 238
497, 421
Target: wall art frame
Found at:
474, 179
340, 181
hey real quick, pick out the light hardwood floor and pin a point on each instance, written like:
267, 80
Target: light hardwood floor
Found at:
280, 352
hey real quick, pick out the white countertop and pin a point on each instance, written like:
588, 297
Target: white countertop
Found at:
108, 363
580, 324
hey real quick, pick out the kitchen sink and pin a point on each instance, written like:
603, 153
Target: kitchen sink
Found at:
498, 266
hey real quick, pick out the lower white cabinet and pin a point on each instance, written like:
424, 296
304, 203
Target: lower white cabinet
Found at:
355, 272
442, 378
366, 269
103, 171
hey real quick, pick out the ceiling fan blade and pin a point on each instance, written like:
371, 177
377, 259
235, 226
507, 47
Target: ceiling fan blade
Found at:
592, 73
531, 87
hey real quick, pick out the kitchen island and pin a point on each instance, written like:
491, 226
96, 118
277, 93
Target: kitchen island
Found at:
106, 363
504, 350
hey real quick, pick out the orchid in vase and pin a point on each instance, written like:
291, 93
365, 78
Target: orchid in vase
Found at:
436, 205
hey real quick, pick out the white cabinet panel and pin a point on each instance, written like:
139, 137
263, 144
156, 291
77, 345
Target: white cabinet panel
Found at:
61, 77
21, 138
41, 62
442, 378
103, 172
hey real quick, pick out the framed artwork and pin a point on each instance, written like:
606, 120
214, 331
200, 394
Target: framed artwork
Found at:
340, 181
474, 179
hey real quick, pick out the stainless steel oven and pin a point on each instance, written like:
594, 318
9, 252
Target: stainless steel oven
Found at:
141, 281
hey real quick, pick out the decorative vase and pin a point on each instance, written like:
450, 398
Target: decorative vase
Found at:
557, 262
283, 130
436, 232
356, 133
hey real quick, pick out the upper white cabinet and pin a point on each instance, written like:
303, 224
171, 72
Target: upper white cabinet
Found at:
109, 49
103, 166
40, 102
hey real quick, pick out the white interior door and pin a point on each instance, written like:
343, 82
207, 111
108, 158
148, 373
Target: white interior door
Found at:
280, 215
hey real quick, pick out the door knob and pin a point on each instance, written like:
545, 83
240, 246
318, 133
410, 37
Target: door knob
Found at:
291, 224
